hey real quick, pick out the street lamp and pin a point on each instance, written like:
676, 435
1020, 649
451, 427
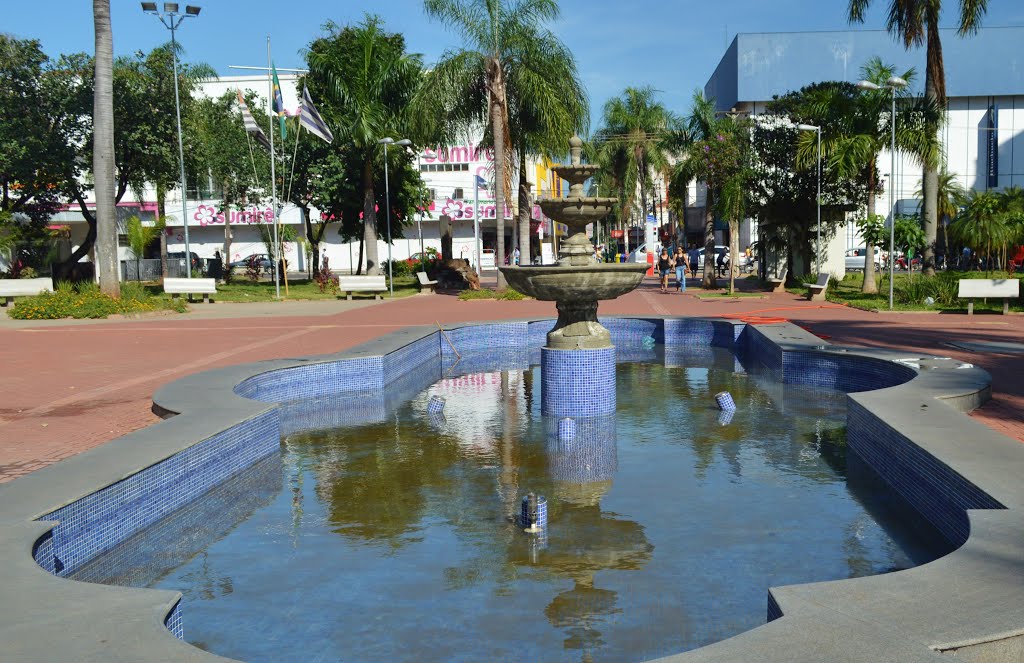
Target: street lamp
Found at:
387, 202
894, 83
172, 19
817, 239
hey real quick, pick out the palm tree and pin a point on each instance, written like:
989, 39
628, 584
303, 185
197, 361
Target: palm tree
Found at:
916, 22
372, 81
853, 137
982, 223
479, 75
633, 143
950, 199
103, 151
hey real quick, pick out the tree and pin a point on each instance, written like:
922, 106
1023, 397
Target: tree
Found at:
103, 152
371, 80
700, 124
856, 127
475, 80
916, 22
633, 144
950, 199
982, 224
140, 237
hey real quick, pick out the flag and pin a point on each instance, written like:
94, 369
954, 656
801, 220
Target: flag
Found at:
250, 123
310, 118
279, 102
481, 182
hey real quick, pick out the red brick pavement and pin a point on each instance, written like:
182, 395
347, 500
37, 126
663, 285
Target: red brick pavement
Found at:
66, 389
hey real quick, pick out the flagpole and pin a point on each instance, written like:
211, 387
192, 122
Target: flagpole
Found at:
273, 177
476, 225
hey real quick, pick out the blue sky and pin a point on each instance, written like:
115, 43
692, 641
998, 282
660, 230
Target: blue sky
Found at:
671, 45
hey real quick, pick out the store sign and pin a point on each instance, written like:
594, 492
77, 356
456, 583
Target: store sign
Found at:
457, 154
465, 210
207, 215
993, 146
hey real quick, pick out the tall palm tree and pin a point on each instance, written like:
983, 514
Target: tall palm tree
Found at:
701, 124
478, 75
853, 137
372, 81
633, 142
103, 151
982, 223
547, 105
916, 22
950, 199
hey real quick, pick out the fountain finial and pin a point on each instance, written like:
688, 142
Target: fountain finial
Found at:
575, 150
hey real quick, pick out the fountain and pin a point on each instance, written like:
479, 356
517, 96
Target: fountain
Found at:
578, 360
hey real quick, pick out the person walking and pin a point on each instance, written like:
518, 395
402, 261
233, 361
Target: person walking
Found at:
682, 267
665, 265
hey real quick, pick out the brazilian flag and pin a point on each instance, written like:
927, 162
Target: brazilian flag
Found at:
278, 103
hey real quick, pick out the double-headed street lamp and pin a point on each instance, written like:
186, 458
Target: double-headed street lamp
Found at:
894, 83
817, 239
387, 202
172, 19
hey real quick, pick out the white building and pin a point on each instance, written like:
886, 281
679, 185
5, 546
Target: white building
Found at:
983, 135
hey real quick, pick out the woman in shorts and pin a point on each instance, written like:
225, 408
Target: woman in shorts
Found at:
665, 267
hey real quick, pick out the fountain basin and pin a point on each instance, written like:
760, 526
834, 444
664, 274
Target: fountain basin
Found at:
577, 211
587, 283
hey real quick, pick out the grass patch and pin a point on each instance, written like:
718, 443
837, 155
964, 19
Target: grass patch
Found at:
507, 294
910, 292
241, 290
84, 300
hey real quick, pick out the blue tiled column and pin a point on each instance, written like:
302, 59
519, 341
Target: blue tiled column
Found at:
577, 383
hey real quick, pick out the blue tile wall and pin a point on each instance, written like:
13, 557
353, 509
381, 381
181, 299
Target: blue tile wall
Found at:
42, 552
99, 521
577, 383
631, 331
940, 494
843, 372
407, 359
502, 335
312, 380
537, 332
774, 611
173, 621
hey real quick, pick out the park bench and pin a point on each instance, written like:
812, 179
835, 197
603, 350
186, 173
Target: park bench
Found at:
359, 283
970, 289
778, 284
11, 288
816, 291
426, 285
181, 286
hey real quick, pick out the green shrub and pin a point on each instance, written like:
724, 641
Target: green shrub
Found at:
510, 295
84, 300
914, 290
482, 293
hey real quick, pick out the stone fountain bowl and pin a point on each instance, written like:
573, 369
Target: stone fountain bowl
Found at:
577, 211
577, 173
587, 283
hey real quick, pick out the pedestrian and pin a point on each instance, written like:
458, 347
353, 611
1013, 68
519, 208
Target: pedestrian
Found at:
515, 256
665, 265
694, 257
682, 267
720, 263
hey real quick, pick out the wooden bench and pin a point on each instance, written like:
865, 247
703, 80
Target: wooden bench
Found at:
426, 285
11, 288
970, 289
816, 291
181, 286
349, 284
778, 284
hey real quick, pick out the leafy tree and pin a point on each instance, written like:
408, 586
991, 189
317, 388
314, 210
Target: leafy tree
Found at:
908, 235
103, 152
701, 124
140, 237
483, 82
371, 80
916, 22
982, 223
951, 198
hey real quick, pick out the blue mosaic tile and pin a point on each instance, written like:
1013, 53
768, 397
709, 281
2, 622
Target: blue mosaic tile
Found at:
591, 455
173, 622
577, 383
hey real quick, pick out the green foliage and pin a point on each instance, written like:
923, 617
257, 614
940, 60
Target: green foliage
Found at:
942, 288
141, 236
507, 294
872, 228
984, 223
908, 235
84, 300
510, 295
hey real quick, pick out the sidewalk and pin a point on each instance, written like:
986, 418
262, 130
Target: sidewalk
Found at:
72, 385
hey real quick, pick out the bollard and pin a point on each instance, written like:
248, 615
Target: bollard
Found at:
724, 400
534, 515
566, 429
435, 405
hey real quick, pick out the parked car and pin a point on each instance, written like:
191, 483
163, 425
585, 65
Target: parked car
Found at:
180, 255
741, 259
263, 259
855, 259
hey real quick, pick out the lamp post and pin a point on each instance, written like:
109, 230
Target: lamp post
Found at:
894, 83
387, 202
172, 20
817, 238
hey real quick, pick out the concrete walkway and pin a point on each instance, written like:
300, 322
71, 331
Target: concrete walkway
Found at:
71, 385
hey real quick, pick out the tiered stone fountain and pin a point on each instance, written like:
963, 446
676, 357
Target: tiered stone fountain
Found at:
578, 361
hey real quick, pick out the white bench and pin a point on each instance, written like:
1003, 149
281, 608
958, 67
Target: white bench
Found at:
816, 291
360, 283
970, 289
11, 288
180, 286
426, 284
778, 284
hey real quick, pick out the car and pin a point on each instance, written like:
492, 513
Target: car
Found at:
741, 259
262, 259
855, 259
180, 255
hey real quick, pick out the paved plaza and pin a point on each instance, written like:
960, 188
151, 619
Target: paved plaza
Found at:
69, 386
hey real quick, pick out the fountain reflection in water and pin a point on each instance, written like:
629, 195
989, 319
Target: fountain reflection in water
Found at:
578, 360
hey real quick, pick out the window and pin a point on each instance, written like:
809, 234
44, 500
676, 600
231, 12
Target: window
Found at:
457, 194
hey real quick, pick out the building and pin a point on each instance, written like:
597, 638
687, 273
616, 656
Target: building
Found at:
983, 135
